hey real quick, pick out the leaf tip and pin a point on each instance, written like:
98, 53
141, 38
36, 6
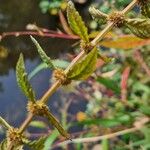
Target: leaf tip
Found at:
33, 39
21, 59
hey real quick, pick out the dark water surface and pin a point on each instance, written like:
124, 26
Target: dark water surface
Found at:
14, 16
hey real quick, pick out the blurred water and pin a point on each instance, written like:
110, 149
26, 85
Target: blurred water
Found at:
14, 16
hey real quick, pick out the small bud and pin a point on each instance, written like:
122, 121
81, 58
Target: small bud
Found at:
60, 75
97, 13
87, 47
117, 17
15, 136
38, 108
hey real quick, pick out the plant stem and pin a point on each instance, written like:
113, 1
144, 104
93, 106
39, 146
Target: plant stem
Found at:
57, 84
44, 34
80, 55
26, 122
138, 126
102, 34
50, 91
98, 138
129, 7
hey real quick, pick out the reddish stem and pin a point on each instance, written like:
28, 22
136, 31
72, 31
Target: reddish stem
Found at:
124, 83
51, 35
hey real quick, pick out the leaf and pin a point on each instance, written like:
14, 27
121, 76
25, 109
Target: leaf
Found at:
60, 63
145, 9
93, 34
146, 132
38, 124
50, 140
110, 84
3, 145
121, 119
42, 54
97, 14
57, 63
36, 70
57, 125
145, 109
22, 79
125, 42
20, 147
85, 67
37, 144
102, 122
146, 146
76, 23
4, 123
139, 27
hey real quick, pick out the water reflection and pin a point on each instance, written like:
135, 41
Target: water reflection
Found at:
14, 16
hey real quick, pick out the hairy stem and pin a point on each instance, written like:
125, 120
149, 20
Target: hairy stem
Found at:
102, 34
26, 122
44, 34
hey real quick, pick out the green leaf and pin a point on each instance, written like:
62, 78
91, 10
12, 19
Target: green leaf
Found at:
110, 84
76, 23
57, 125
85, 67
146, 146
139, 143
102, 122
4, 123
37, 144
3, 145
60, 63
50, 140
146, 132
36, 70
145, 109
20, 147
57, 63
97, 14
42, 54
22, 79
145, 9
139, 27
38, 124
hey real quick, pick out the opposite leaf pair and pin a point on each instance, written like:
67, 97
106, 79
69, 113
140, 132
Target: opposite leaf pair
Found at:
138, 26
